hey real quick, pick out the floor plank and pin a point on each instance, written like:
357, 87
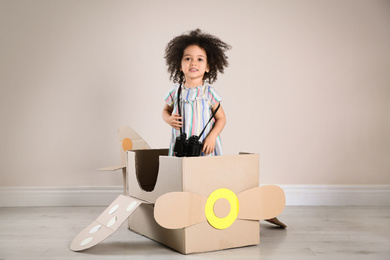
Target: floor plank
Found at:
312, 233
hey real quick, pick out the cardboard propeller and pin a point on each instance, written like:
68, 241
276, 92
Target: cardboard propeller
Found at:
259, 203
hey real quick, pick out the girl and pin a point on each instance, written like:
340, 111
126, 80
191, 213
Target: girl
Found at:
193, 61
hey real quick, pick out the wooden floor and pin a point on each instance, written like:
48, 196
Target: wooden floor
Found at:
313, 233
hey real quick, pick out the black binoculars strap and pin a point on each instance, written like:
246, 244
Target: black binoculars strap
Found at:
178, 107
212, 116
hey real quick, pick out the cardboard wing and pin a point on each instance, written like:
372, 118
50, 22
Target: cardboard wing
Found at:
107, 223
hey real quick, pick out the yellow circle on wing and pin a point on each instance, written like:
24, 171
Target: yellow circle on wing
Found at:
222, 223
127, 144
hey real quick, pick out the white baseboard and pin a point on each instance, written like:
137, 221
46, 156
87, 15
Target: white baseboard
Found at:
48, 196
304, 195
337, 195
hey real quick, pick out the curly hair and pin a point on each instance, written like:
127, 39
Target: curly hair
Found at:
213, 46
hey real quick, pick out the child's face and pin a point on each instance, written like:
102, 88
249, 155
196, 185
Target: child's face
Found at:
194, 63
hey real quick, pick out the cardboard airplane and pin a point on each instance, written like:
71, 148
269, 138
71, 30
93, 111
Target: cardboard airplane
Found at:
191, 204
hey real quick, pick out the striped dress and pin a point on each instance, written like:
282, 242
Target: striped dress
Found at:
195, 107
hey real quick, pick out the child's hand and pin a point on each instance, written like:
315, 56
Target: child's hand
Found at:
171, 119
174, 122
208, 145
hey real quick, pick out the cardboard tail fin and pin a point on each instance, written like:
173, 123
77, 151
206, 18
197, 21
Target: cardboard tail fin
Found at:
106, 224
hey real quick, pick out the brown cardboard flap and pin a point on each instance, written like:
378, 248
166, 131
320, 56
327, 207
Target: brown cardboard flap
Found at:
106, 224
264, 202
205, 174
179, 209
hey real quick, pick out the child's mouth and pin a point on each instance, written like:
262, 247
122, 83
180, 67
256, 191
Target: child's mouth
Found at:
193, 70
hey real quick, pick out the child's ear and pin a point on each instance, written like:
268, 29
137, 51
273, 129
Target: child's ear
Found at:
207, 68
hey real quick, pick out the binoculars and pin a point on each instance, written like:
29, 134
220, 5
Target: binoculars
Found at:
190, 147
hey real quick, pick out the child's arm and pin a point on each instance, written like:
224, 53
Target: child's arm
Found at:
171, 119
220, 121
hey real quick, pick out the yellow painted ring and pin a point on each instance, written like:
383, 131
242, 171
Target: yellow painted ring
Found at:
222, 223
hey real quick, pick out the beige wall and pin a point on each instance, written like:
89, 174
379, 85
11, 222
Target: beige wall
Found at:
308, 87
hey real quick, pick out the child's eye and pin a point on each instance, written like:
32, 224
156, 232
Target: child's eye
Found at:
186, 59
200, 59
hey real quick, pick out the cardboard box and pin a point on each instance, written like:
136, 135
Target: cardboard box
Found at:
151, 175
191, 204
